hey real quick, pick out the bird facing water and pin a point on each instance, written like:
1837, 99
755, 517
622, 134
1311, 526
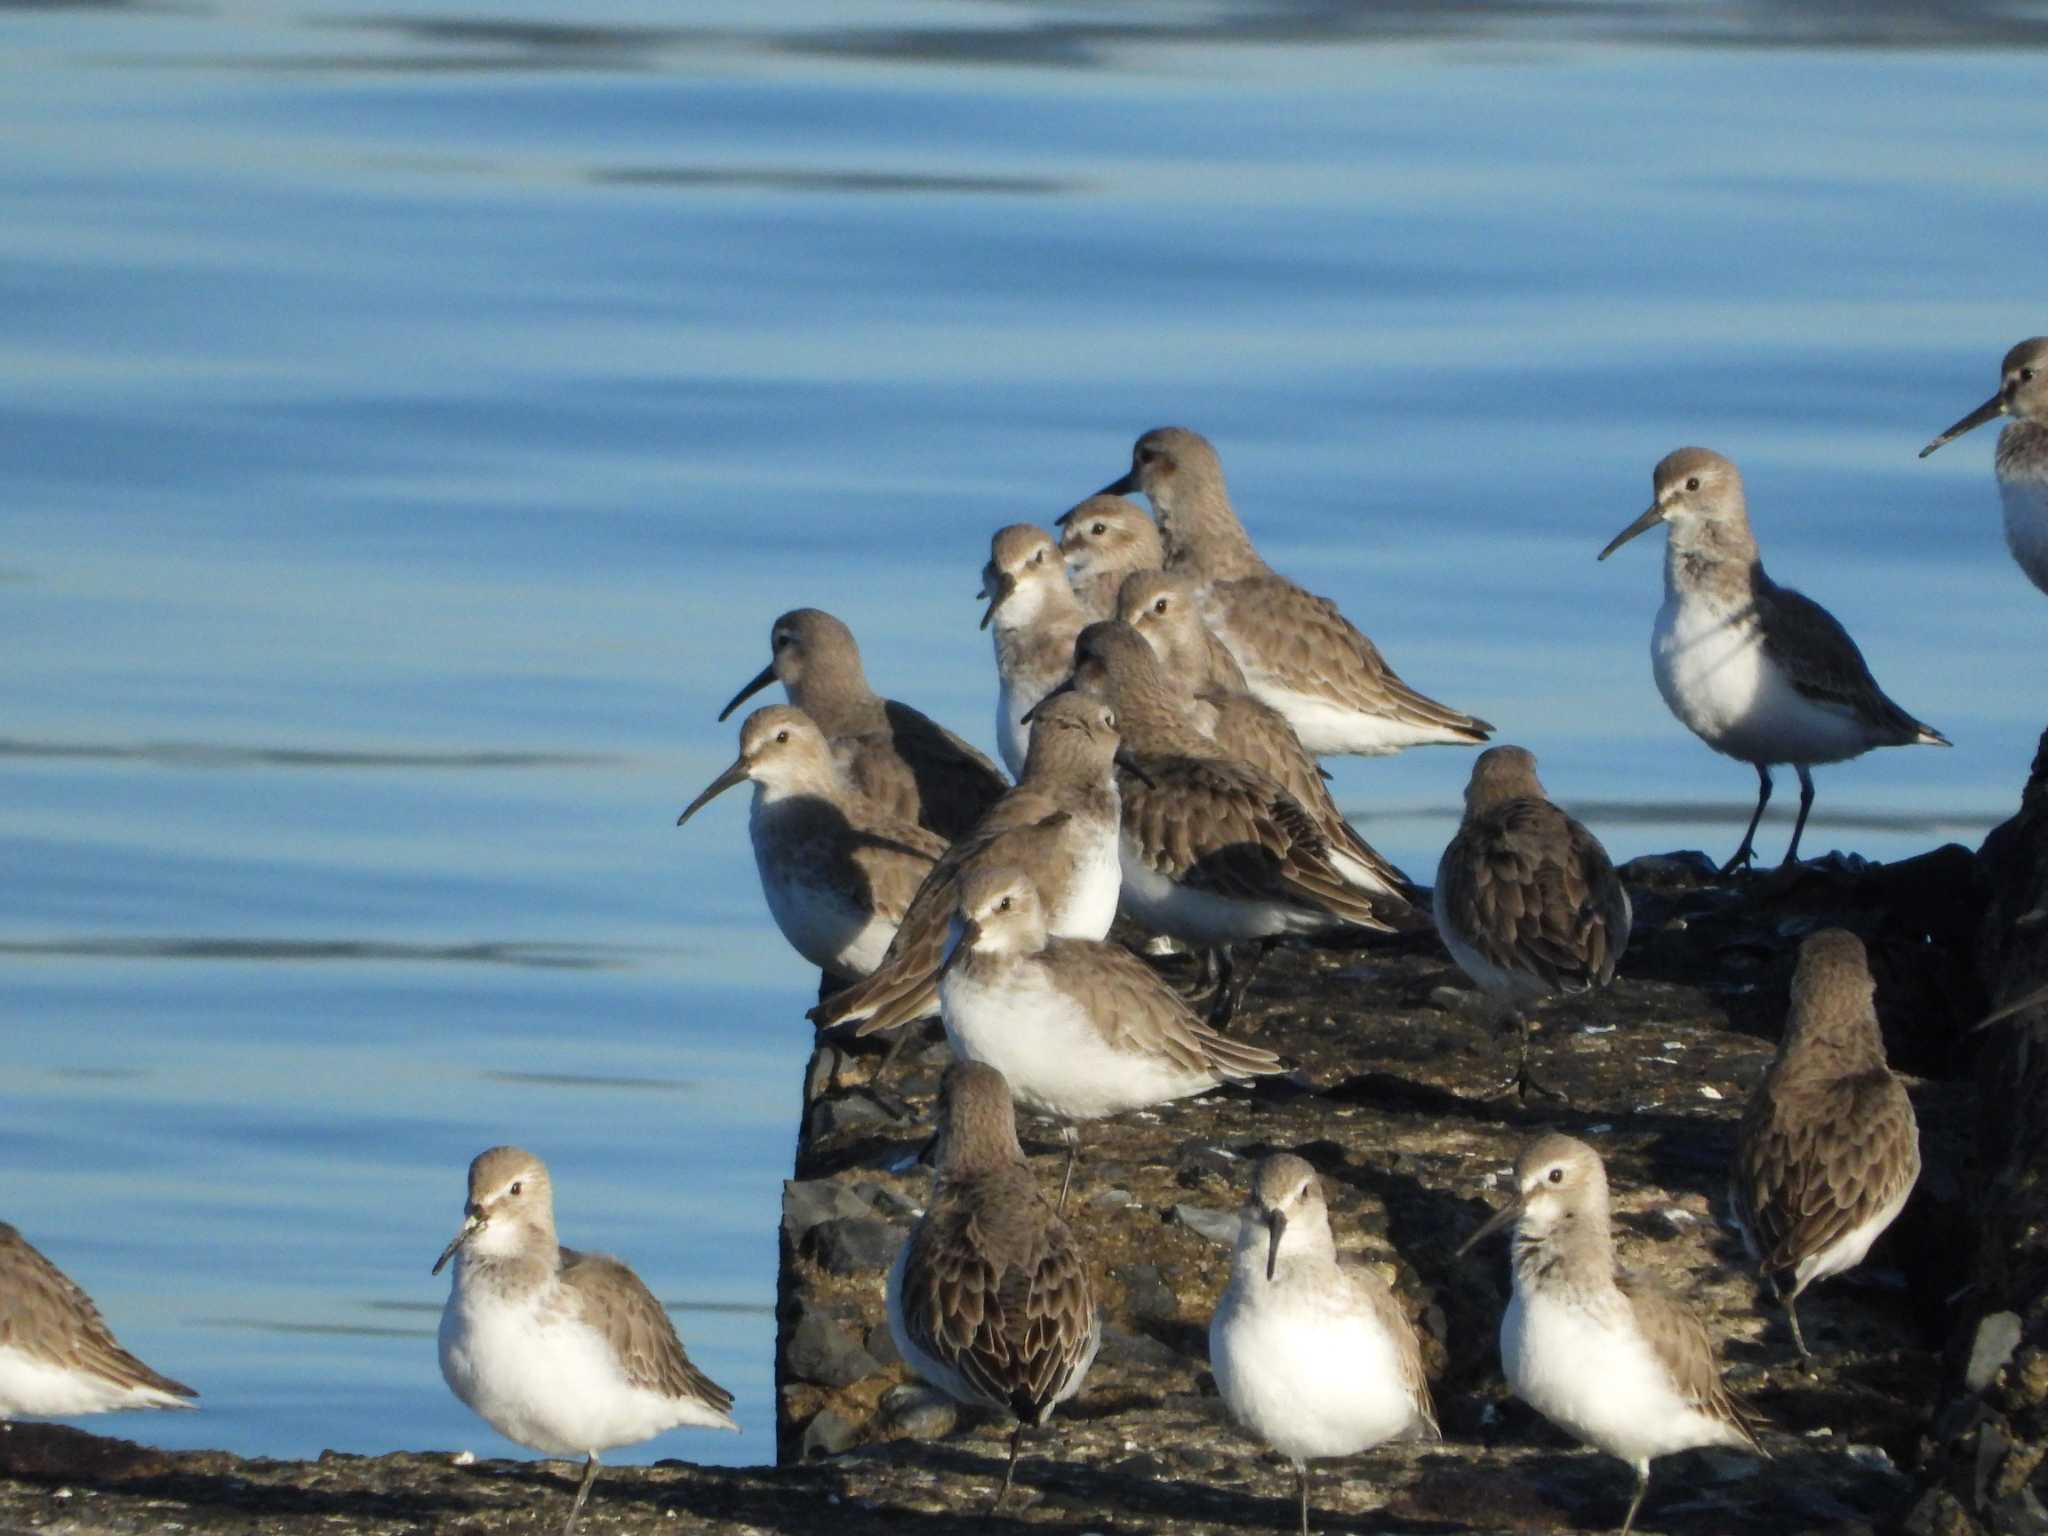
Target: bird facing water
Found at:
1757, 671
912, 767
1313, 1356
562, 1351
1829, 1148
1036, 617
838, 871
1526, 900
989, 1300
2021, 462
1606, 1354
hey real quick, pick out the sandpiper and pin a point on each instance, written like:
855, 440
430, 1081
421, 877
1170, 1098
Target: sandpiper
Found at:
1214, 852
1161, 606
1755, 670
914, 768
837, 869
1299, 654
1829, 1147
989, 1300
2022, 457
57, 1355
562, 1351
1081, 1029
1104, 540
1036, 617
1526, 899
1606, 1354
1314, 1357
1061, 824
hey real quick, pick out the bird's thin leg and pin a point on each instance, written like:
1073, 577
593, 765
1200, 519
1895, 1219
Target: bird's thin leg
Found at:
1642, 1487
1301, 1476
1763, 798
1009, 1471
1805, 805
582, 1493
1522, 1080
1237, 982
1792, 1317
1072, 1136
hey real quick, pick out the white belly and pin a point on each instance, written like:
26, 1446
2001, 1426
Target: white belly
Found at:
2026, 525
820, 921
1306, 1382
1710, 666
1057, 1061
33, 1388
1591, 1374
1088, 905
1015, 698
1327, 726
1201, 917
1850, 1249
540, 1377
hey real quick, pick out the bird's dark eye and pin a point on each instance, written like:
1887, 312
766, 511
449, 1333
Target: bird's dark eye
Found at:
2026, 375
782, 735
1100, 528
1692, 482
1003, 905
514, 1189
1557, 1175
1160, 606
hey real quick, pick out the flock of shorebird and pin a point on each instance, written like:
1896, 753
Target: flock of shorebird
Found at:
1163, 698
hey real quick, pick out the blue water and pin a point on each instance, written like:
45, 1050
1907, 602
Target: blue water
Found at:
411, 419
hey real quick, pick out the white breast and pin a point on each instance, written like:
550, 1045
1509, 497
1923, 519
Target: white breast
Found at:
34, 1388
1308, 1380
1057, 1061
1086, 908
1585, 1368
537, 1375
821, 921
1014, 700
2026, 524
1710, 665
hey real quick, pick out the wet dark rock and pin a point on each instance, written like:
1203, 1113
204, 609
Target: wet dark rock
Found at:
851, 1245
821, 1351
807, 1203
844, 1113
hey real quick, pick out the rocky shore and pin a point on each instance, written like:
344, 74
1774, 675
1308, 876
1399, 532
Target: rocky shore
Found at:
1925, 1411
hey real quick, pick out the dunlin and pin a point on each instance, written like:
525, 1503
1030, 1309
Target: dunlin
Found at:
913, 768
1755, 670
562, 1351
989, 1300
1061, 824
2022, 457
1829, 1147
1104, 539
57, 1355
1314, 1357
838, 870
1161, 607
1607, 1355
1526, 899
1036, 617
1081, 1029
1299, 654
1214, 852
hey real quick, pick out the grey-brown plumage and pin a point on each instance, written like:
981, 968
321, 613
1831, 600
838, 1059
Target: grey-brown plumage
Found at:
838, 870
1161, 606
1829, 1148
1036, 617
912, 767
1755, 670
1060, 824
1104, 540
990, 1299
1299, 654
1526, 899
58, 1357
1606, 1353
562, 1351
1214, 852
